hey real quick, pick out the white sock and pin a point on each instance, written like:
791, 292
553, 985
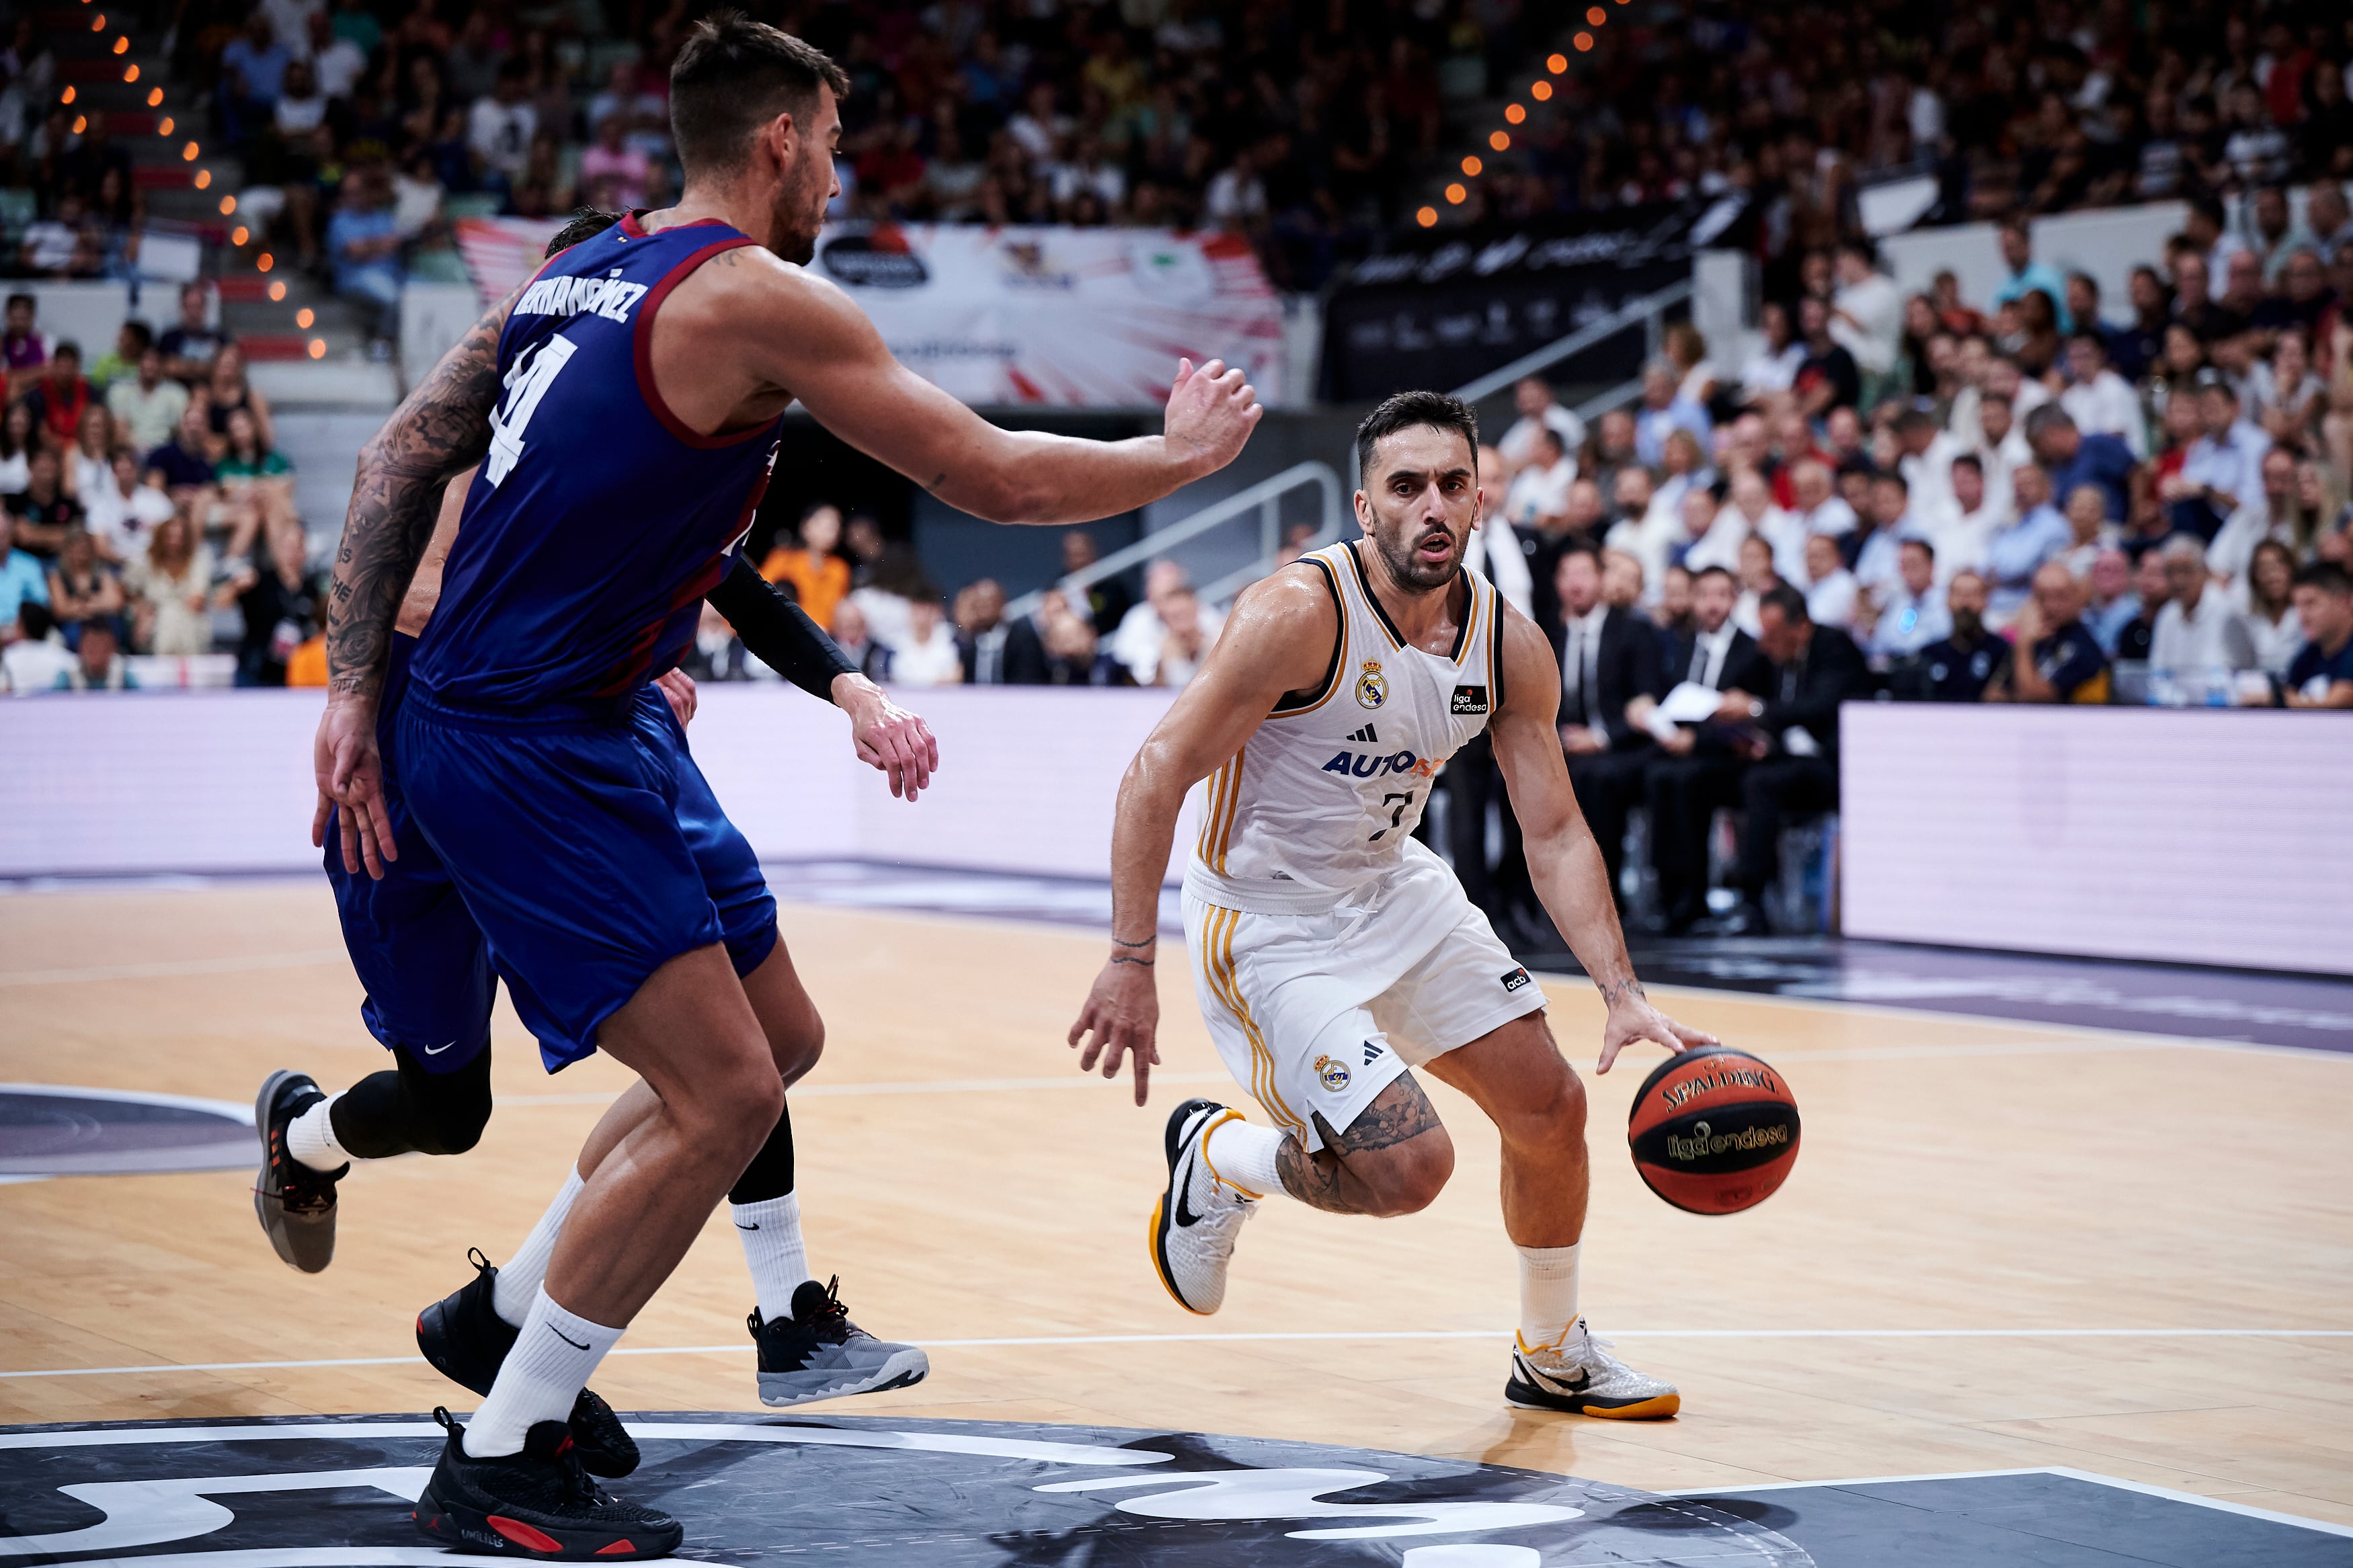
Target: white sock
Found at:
512, 1291
311, 1137
770, 1231
1548, 1295
555, 1356
1241, 1155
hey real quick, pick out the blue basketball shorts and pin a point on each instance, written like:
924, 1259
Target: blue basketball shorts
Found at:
570, 852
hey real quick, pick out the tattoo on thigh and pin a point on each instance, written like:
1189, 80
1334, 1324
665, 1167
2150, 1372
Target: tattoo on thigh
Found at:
1323, 1180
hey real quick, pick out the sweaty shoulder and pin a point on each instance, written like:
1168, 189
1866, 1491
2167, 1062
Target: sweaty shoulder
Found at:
1284, 629
738, 333
1530, 679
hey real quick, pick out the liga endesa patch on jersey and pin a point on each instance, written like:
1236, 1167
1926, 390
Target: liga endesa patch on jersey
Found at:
1468, 700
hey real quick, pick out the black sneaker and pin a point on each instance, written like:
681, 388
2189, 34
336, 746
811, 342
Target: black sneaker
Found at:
467, 1341
295, 1204
818, 1353
538, 1503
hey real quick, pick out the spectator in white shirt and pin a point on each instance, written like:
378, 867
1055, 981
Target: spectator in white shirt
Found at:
1774, 366
1539, 490
1820, 510
501, 125
1924, 459
1916, 612
1757, 578
122, 512
1236, 198
1831, 591
1141, 640
2101, 401
2197, 632
1752, 498
1867, 311
929, 656
1539, 411
2002, 450
1961, 539
1715, 532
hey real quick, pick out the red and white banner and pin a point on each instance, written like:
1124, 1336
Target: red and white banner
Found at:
1078, 318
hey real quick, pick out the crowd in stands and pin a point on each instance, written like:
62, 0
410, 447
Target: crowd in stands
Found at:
145, 508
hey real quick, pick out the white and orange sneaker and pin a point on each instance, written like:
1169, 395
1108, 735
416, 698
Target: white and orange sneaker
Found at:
1580, 1375
1194, 1222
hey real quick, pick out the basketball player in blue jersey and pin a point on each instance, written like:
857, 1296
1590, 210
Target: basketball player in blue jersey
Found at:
1332, 952
430, 991
624, 407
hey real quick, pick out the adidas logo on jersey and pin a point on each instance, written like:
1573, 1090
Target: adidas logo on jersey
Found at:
1365, 737
1468, 699
607, 297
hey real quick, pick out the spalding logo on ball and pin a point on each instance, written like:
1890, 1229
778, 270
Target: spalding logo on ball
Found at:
1713, 1130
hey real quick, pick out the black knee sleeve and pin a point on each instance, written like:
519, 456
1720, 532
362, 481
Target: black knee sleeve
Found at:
770, 1173
410, 1110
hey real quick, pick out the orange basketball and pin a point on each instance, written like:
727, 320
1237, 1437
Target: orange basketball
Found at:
1713, 1130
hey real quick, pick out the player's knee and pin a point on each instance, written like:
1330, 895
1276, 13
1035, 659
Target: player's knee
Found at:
1408, 1177
456, 1129
1548, 1113
796, 1044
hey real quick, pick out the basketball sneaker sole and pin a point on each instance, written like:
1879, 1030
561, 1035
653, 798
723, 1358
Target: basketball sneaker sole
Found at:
1521, 1394
306, 1242
783, 1390
467, 1526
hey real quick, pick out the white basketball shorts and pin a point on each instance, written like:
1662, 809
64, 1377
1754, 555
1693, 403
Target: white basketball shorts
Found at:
1317, 1014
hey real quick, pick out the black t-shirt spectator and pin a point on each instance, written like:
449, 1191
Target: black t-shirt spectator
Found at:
2310, 664
1959, 672
181, 467
197, 344
2071, 660
2133, 642
60, 511
278, 619
2132, 349
1836, 366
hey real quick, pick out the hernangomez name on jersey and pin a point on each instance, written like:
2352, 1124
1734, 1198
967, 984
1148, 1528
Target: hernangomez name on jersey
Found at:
1322, 800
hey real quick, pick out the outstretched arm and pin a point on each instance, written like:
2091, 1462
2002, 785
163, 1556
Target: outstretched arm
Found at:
1563, 859
825, 350
443, 428
1279, 639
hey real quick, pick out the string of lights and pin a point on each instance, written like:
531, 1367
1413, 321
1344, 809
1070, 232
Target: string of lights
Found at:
240, 236
1515, 113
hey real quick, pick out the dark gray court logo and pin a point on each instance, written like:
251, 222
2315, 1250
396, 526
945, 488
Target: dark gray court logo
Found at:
300, 1492
47, 1129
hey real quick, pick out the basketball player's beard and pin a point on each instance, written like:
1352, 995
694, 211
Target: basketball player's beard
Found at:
799, 220
1407, 567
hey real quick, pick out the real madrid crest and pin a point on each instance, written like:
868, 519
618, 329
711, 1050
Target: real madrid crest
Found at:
1372, 687
1333, 1074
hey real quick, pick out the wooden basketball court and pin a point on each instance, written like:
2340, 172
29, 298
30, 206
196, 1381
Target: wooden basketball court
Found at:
2005, 1246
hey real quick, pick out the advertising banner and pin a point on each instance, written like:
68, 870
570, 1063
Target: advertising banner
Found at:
1071, 317
1440, 308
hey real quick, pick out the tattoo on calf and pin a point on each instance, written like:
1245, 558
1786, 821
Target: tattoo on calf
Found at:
1402, 1111
443, 426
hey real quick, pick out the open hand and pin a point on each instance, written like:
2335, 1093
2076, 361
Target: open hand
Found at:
1123, 1014
1631, 1018
887, 736
349, 772
1211, 413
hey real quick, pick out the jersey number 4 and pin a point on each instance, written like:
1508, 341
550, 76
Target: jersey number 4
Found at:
1405, 803
527, 381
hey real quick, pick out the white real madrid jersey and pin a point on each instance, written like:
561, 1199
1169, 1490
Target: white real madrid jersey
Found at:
1323, 798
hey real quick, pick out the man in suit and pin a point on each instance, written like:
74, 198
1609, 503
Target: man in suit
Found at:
1698, 768
1794, 739
1607, 656
992, 650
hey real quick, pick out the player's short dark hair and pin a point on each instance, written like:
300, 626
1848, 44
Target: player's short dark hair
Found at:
2327, 576
733, 75
587, 223
1705, 573
1781, 596
1407, 410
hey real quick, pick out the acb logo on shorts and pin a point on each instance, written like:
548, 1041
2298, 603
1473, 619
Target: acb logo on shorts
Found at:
1333, 1074
1372, 687
1515, 979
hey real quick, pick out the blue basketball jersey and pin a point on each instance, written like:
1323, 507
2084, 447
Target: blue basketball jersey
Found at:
598, 520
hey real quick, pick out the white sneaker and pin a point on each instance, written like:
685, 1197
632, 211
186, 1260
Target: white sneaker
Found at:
1194, 1222
1581, 1376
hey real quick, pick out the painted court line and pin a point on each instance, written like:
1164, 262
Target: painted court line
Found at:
1277, 1338
914, 1086
2143, 1488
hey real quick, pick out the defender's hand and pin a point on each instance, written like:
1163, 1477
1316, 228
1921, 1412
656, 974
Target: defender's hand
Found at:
1122, 1014
1211, 413
887, 736
350, 771
1631, 1018
678, 691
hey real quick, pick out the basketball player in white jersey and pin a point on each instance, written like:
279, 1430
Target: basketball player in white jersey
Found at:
1331, 952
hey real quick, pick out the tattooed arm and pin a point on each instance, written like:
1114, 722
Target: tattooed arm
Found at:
1563, 859
442, 428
